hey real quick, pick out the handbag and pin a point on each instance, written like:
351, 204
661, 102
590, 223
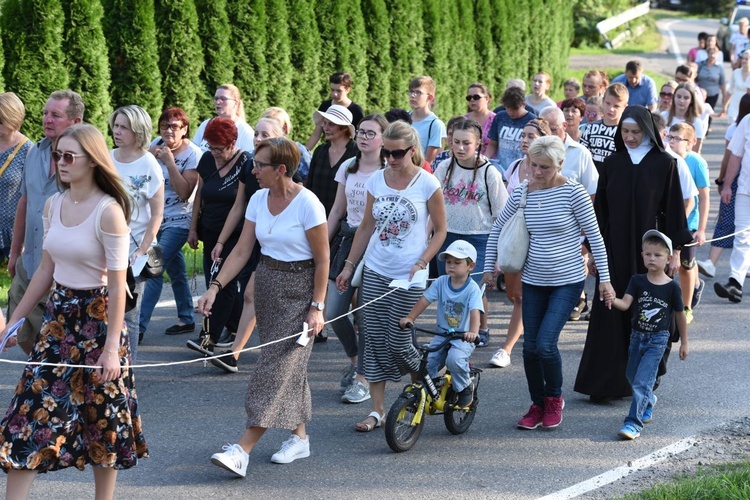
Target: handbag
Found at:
155, 263
356, 280
513, 242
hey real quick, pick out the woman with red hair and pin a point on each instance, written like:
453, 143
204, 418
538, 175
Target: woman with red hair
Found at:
220, 170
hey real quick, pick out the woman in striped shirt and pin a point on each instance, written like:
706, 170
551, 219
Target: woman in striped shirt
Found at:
557, 210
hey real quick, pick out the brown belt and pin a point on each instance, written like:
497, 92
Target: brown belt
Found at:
289, 267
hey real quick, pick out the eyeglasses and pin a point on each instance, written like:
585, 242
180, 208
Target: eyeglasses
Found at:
415, 93
474, 97
671, 138
666, 94
260, 164
221, 98
69, 158
367, 134
174, 127
215, 149
397, 154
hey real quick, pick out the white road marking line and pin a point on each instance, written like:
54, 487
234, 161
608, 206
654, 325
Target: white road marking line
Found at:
619, 472
673, 47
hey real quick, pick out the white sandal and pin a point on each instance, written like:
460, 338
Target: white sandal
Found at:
368, 427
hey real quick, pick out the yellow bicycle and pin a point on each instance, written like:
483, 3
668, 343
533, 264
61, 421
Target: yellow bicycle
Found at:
405, 419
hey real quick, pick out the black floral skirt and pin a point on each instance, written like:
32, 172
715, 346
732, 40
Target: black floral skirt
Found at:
65, 416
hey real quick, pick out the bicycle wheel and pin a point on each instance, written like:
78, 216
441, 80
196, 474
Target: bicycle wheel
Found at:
458, 421
400, 433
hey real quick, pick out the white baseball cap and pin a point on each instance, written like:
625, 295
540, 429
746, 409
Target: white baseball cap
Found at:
653, 233
460, 249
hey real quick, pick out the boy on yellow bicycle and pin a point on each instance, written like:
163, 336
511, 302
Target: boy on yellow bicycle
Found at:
459, 306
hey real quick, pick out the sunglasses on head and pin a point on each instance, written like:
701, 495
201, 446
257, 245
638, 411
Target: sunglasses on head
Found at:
397, 154
474, 97
69, 158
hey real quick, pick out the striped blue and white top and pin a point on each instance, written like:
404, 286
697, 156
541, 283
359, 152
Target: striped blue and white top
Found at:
555, 218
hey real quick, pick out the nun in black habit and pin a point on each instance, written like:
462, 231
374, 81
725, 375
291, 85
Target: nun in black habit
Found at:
638, 190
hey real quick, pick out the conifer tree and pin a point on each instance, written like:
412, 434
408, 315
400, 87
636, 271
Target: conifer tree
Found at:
248, 40
278, 55
440, 56
180, 57
305, 58
466, 62
486, 51
356, 40
407, 48
34, 62
218, 57
379, 64
86, 62
133, 58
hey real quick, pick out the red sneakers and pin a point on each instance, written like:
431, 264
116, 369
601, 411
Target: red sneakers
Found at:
533, 418
553, 407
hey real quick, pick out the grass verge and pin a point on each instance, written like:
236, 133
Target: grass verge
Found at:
731, 481
649, 41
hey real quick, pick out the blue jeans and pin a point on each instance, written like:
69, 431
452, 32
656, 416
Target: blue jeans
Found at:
545, 311
455, 357
479, 241
644, 354
171, 241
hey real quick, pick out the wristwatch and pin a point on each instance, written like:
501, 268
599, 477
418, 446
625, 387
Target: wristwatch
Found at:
318, 305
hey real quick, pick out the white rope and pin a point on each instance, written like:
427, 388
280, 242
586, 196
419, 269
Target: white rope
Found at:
720, 237
197, 360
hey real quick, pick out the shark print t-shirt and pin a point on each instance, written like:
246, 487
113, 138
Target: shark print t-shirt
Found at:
653, 305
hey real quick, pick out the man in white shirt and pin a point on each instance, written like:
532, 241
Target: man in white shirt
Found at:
578, 165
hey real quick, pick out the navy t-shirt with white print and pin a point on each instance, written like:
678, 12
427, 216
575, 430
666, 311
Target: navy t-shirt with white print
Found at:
599, 139
653, 305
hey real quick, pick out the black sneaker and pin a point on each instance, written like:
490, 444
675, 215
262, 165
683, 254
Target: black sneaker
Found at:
321, 337
466, 396
732, 291
226, 340
226, 362
140, 337
697, 293
202, 344
180, 329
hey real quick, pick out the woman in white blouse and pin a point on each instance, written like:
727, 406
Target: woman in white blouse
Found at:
290, 224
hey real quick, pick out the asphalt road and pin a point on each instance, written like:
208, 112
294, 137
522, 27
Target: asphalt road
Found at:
190, 411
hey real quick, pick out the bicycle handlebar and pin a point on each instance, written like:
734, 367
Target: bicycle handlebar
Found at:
452, 335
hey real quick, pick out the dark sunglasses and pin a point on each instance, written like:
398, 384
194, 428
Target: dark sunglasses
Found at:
397, 154
69, 158
473, 97
666, 94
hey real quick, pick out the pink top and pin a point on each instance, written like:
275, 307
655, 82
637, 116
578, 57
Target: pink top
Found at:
81, 260
485, 130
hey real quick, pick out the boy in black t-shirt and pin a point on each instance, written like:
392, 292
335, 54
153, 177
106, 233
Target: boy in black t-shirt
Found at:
655, 298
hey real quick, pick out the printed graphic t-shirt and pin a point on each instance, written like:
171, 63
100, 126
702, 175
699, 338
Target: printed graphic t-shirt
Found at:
454, 305
506, 131
653, 305
599, 139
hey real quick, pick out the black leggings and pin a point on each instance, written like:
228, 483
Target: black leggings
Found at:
711, 100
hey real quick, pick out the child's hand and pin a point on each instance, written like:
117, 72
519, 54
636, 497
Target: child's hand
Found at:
405, 322
683, 350
471, 337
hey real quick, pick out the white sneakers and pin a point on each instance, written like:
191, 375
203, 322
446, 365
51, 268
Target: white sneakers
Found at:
501, 359
292, 449
233, 458
706, 267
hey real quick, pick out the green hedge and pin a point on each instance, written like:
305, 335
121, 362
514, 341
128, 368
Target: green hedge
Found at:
160, 53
